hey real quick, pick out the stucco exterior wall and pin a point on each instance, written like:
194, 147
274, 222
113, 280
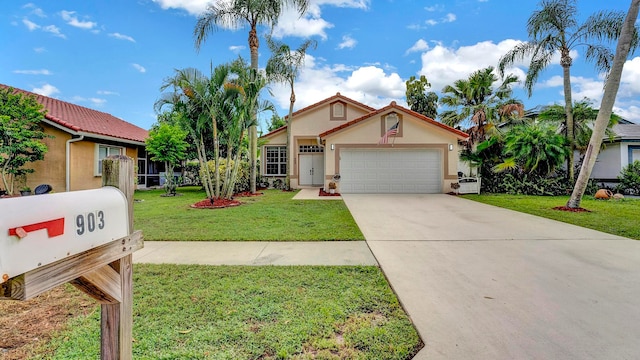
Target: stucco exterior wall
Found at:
609, 162
51, 170
413, 133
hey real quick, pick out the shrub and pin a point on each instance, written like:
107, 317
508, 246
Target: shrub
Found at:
242, 180
630, 179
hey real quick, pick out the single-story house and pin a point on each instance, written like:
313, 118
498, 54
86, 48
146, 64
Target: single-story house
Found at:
618, 153
339, 138
79, 139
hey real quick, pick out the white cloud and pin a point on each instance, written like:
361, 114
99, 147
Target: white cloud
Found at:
433, 8
370, 85
95, 101
431, 22
122, 37
193, 7
46, 90
34, 10
290, 22
347, 42
450, 17
30, 24
419, 46
54, 30
107, 92
39, 50
139, 67
236, 48
33, 72
72, 20
444, 65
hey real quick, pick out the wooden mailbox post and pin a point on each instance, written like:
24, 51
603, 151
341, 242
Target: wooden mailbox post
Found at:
85, 238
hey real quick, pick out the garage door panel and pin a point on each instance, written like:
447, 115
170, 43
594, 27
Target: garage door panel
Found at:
390, 171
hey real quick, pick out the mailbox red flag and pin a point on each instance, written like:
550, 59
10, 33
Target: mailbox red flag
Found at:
54, 228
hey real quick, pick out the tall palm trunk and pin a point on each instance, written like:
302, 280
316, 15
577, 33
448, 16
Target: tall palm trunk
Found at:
216, 156
568, 108
606, 106
290, 151
253, 129
206, 180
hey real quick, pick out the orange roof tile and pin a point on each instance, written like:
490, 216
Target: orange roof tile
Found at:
393, 105
81, 119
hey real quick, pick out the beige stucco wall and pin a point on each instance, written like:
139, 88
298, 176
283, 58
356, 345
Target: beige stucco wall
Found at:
305, 129
51, 170
414, 133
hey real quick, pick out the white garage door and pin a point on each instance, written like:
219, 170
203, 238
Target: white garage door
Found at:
390, 171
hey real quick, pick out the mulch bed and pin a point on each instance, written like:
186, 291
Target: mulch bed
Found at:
566, 208
223, 203
323, 193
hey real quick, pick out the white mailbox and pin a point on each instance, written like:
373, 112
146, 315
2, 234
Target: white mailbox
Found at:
41, 229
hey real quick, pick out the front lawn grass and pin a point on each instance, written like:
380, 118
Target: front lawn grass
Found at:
273, 216
243, 312
617, 217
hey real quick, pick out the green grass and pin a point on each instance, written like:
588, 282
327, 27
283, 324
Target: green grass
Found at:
273, 216
236, 312
618, 217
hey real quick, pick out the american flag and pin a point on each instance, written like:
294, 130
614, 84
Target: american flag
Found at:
391, 132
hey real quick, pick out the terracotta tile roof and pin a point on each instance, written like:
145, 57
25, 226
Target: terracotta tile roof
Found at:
80, 119
330, 99
393, 105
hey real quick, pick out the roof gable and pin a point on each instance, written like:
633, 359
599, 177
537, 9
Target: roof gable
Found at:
76, 118
395, 106
327, 101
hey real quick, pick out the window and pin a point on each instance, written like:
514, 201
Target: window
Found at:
310, 149
389, 121
338, 111
102, 151
276, 160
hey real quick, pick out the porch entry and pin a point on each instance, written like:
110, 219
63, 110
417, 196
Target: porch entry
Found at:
312, 169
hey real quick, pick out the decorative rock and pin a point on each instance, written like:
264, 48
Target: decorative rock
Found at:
603, 194
618, 196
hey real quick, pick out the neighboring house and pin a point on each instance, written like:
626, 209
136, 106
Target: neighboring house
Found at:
79, 139
339, 136
618, 153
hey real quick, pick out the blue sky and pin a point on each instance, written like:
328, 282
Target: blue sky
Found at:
113, 55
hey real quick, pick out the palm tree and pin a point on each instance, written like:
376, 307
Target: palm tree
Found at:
583, 118
239, 13
477, 105
535, 148
554, 28
628, 38
284, 66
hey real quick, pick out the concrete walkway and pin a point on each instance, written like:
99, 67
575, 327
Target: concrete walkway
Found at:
255, 253
481, 282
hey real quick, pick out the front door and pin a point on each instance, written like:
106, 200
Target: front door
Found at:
312, 169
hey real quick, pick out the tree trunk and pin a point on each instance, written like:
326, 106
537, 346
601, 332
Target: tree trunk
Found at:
253, 129
568, 109
216, 158
606, 106
292, 100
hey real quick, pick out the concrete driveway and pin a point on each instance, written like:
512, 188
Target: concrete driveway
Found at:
481, 282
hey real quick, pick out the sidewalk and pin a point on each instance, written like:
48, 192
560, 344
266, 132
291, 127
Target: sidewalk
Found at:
256, 253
